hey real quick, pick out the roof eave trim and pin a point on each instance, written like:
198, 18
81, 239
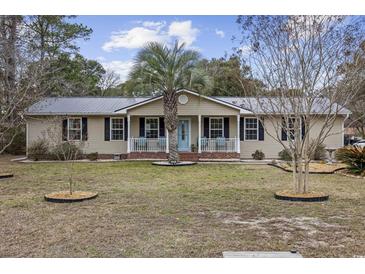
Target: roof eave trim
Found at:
181, 90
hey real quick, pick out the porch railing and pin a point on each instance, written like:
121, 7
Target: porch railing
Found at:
142, 144
218, 144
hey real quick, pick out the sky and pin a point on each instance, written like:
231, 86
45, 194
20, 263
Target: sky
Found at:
116, 39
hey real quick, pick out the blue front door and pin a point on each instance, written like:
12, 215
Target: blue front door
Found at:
183, 135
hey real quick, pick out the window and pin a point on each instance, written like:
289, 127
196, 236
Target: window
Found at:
291, 127
152, 127
251, 131
215, 127
74, 129
117, 128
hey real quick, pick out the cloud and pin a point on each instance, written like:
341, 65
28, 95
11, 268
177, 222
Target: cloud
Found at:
133, 38
122, 68
183, 31
152, 31
220, 33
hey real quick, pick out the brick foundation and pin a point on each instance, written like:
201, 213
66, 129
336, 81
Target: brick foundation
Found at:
219, 155
185, 156
147, 155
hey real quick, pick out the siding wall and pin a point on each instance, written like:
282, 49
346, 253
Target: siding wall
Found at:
271, 148
38, 127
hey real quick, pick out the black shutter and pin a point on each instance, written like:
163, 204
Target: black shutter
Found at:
242, 129
64, 129
162, 127
284, 136
141, 127
303, 127
206, 127
261, 131
125, 129
84, 129
226, 127
107, 129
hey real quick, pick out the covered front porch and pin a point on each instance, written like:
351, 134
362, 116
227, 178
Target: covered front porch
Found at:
207, 136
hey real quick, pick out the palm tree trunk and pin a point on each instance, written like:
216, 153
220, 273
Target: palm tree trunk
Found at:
170, 112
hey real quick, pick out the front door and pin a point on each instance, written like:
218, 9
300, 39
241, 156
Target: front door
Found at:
183, 135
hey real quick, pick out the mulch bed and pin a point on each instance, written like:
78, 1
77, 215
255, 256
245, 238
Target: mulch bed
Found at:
6, 175
65, 197
310, 172
176, 164
305, 197
345, 172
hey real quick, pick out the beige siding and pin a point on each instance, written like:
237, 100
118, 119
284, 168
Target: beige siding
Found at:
38, 127
195, 106
271, 148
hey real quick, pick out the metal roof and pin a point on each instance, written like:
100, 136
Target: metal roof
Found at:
321, 105
82, 105
115, 105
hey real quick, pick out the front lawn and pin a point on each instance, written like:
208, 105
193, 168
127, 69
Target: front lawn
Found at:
196, 211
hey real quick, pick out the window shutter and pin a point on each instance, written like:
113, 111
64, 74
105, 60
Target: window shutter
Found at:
162, 126
107, 129
125, 127
226, 127
242, 128
261, 131
84, 129
284, 136
206, 127
303, 127
64, 129
141, 127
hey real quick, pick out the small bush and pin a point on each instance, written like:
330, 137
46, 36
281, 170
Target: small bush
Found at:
67, 151
93, 156
258, 155
285, 155
319, 153
354, 157
38, 150
17, 147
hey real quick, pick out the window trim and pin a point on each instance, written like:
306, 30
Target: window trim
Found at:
158, 126
221, 118
68, 129
111, 129
245, 128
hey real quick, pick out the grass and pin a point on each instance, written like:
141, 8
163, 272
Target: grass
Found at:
196, 211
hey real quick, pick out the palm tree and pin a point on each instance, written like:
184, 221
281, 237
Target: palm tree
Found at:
167, 70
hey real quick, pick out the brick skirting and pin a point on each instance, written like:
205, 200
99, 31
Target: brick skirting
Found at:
147, 155
185, 156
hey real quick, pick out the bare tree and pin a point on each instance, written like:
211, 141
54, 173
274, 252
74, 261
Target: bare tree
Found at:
20, 76
109, 80
68, 149
301, 61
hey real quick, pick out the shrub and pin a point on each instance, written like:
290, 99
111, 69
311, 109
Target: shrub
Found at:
93, 156
319, 153
354, 157
38, 150
17, 147
67, 151
258, 155
285, 155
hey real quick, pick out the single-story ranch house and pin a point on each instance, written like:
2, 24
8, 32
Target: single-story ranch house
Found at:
133, 128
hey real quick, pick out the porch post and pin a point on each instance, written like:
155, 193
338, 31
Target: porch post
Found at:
238, 134
199, 133
167, 141
129, 133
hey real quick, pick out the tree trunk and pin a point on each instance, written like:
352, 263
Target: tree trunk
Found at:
171, 121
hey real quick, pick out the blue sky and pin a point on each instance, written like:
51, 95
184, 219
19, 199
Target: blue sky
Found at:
116, 39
